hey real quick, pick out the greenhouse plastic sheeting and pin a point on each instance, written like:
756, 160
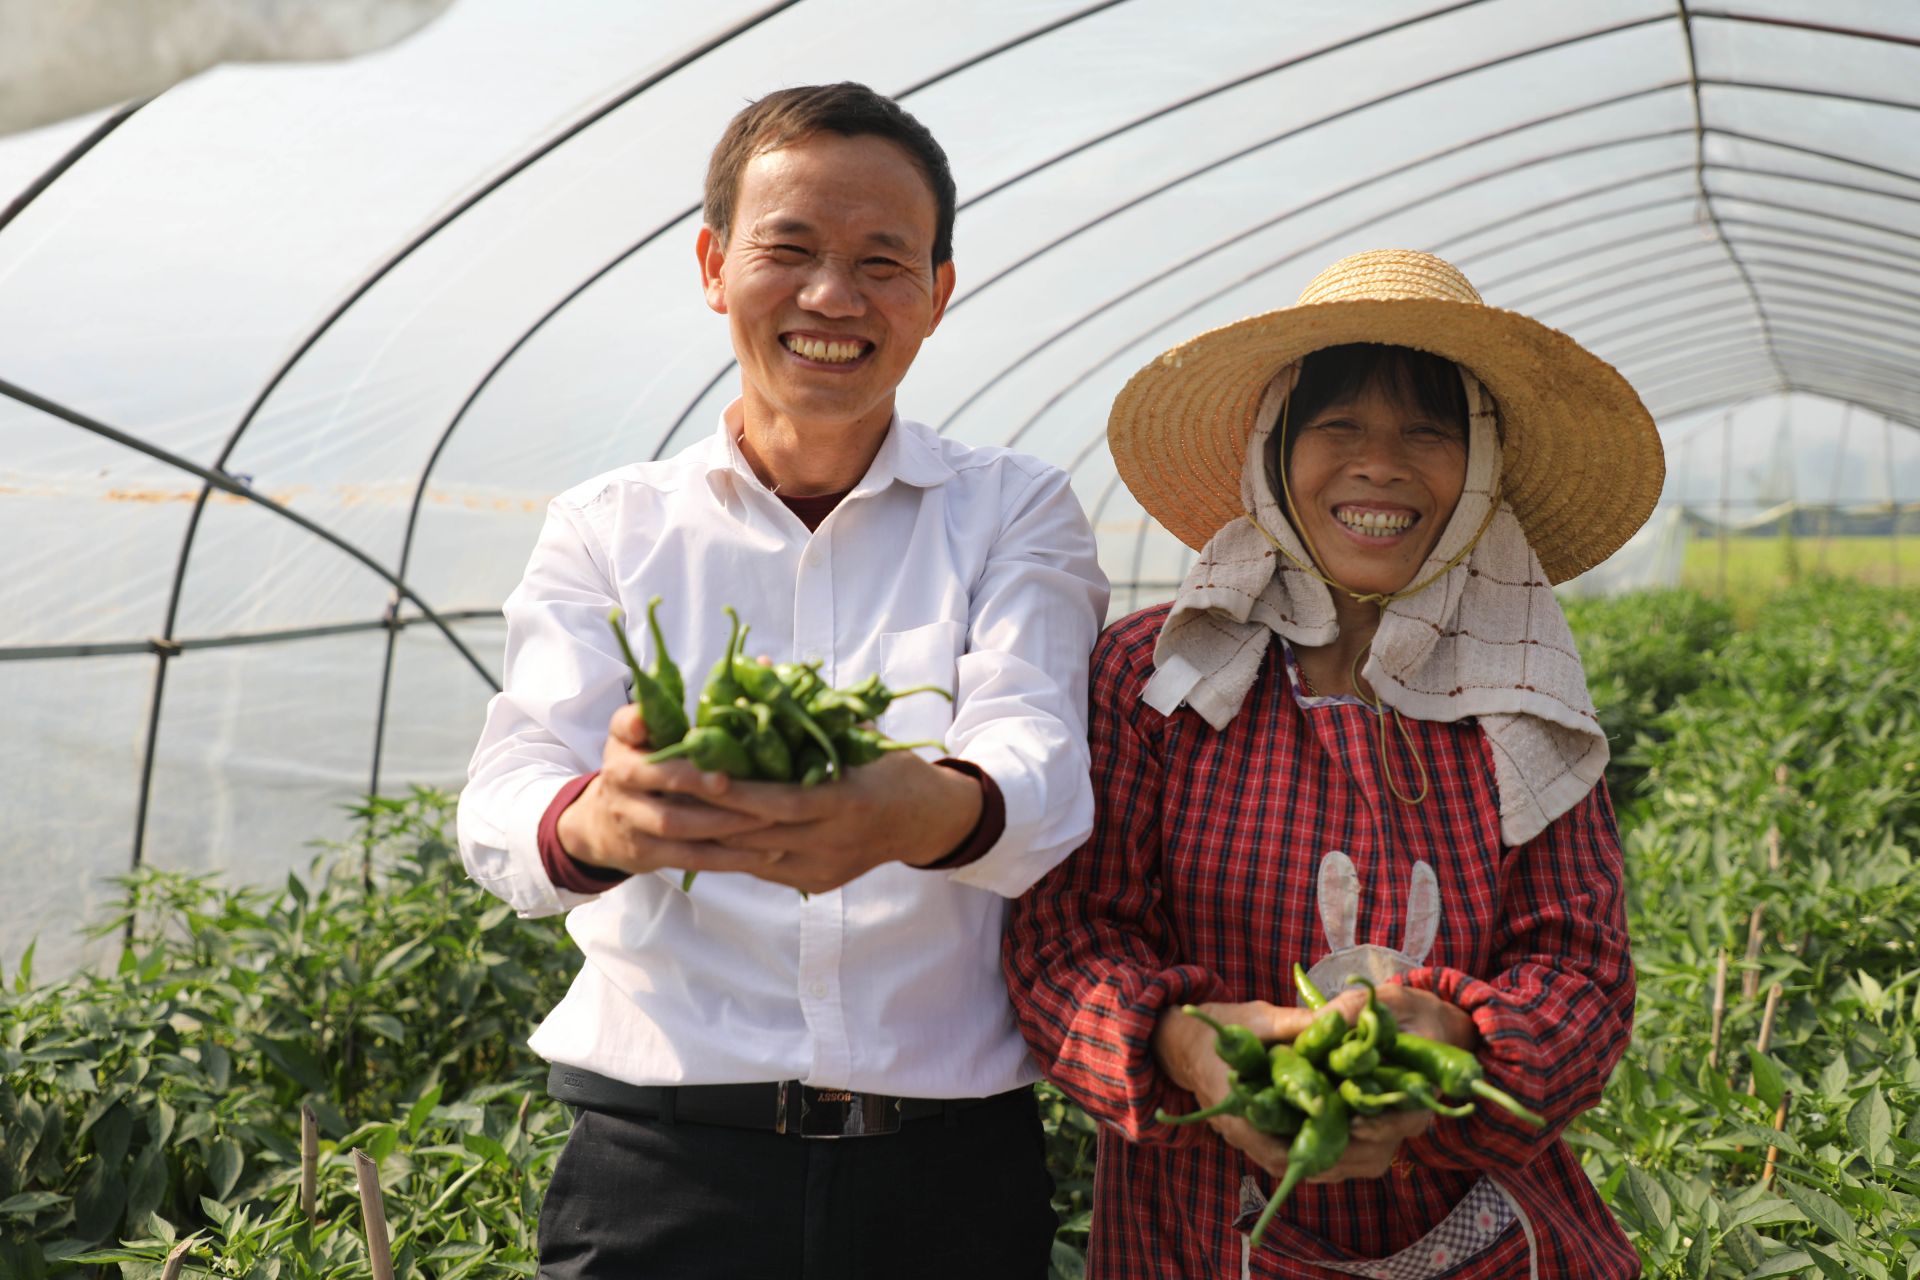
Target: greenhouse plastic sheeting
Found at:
390, 306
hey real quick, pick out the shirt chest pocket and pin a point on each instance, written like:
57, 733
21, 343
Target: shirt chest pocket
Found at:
928, 655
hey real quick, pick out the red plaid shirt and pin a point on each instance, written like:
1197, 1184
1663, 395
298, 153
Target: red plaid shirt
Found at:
1199, 883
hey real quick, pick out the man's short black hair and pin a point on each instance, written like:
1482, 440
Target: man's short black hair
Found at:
849, 109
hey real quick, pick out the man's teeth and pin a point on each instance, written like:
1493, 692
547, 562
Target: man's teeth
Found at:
1375, 524
830, 352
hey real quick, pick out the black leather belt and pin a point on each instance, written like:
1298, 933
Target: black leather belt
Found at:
787, 1107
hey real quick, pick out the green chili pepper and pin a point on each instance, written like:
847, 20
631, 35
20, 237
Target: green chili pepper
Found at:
1352, 1058
663, 669
1457, 1073
878, 697
1272, 1114
837, 711
763, 685
1234, 1104
717, 698
1324, 1032
1238, 1047
801, 678
1303, 987
1296, 1079
665, 718
711, 748
1315, 1149
1359, 1051
1418, 1089
864, 746
1388, 1030
1365, 1096
810, 764
771, 758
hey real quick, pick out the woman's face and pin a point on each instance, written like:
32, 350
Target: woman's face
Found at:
1374, 481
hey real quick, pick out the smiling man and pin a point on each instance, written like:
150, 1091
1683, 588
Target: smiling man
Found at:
712, 1039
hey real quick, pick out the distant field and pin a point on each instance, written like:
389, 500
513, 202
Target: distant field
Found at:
1760, 565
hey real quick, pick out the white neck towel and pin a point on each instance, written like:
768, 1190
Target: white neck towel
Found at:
1486, 639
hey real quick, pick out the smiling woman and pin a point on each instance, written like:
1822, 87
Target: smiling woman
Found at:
1358, 739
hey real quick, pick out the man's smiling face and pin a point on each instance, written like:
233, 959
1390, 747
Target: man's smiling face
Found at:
827, 279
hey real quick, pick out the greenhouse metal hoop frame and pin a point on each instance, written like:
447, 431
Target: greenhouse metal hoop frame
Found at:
1770, 327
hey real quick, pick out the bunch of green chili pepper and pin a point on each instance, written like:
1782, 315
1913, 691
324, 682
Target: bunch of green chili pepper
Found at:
754, 720
1309, 1090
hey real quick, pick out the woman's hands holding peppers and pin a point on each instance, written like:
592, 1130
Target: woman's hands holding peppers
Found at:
1184, 1048
638, 816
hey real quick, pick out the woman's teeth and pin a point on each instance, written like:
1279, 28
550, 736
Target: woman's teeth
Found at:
1374, 524
829, 352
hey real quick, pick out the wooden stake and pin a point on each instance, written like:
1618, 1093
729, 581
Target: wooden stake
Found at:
1779, 1124
1750, 980
1766, 1028
1719, 1007
177, 1258
309, 1164
1766, 1018
373, 1215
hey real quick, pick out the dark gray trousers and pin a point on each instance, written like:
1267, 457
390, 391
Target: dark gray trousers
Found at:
967, 1196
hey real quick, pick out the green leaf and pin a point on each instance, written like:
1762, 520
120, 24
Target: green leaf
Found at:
1768, 1084
1833, 1080
146, 1186
487, 1149
1830, 1267
297, 1061
1821, 1210
28, 1203
1870, 1125
224, 1162
1648, 1197
418, 1113
386, 1026
1792, 1262
1765, 1212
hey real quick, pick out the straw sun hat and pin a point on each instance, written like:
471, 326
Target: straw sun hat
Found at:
1583, 463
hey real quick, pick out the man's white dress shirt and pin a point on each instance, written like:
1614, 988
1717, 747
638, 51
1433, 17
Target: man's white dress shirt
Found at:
971, 568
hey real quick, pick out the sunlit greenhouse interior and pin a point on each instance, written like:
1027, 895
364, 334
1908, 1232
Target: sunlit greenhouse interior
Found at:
298, 341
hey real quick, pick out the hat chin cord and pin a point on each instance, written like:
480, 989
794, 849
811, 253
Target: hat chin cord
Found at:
1374, 598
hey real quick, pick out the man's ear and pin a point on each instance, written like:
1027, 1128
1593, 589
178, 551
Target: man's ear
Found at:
942, 292
712, 253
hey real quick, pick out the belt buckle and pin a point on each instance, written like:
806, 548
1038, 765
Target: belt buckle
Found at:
807, 1112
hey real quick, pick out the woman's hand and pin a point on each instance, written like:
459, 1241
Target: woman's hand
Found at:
1183, 1047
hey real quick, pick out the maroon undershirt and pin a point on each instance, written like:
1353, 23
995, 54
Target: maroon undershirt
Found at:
568, 872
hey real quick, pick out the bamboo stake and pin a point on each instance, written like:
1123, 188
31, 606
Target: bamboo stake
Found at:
373, 1215
1750, 980
309, 1164
1719, 1007
1766, 1028
177, 1258
1780, 1125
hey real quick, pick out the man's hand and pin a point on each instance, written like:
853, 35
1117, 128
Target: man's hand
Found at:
639, 817
899, 808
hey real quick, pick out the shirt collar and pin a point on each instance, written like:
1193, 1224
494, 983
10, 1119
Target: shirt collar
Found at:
910, 454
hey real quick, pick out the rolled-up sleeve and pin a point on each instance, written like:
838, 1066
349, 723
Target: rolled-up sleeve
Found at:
563, 679
1556, 1011
1020, 705
1089, 954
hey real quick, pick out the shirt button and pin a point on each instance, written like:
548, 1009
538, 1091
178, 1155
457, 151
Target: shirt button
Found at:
812, 560
817, 989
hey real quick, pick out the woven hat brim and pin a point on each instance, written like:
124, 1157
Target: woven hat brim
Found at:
1584, 465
